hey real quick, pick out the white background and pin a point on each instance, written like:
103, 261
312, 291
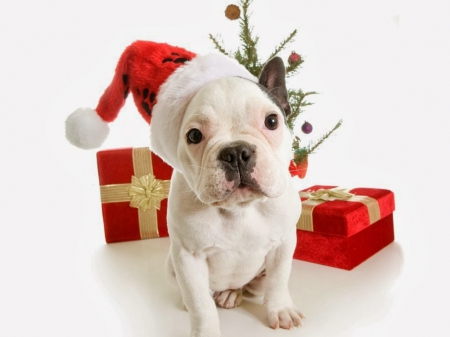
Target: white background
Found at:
382, 66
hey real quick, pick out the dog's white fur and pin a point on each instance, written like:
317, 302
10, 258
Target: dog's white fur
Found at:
224, 238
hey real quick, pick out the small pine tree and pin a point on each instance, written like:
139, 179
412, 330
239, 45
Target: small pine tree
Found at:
247, 55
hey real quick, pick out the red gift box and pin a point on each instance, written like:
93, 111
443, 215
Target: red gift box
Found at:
344, 232
134, 185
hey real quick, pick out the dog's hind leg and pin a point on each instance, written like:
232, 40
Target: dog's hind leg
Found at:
257, 285
228, 299
232, 298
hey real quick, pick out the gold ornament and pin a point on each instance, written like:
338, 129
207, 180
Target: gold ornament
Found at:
232, 12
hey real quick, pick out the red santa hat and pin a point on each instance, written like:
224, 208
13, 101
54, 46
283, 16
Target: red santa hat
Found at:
162, 79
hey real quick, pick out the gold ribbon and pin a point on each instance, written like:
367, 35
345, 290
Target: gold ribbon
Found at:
324, 195
145, 192
331, 194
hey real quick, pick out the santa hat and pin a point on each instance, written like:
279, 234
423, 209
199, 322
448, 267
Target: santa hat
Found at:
162, 79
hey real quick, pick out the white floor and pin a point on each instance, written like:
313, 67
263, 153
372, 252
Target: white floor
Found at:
382, 67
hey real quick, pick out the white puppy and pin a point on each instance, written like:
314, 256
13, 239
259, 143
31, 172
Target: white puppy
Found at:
232, 211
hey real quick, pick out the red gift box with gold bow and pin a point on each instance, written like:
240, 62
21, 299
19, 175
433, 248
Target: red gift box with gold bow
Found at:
342, 228
134, 185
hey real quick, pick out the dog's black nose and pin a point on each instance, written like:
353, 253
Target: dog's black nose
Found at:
238, 156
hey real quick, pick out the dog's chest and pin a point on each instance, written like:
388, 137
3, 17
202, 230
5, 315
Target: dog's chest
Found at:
238, 252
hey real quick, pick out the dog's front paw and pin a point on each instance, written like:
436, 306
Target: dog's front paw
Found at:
215, 332
285, 317
201, 334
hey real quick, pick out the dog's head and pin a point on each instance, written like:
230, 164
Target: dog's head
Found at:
233, 142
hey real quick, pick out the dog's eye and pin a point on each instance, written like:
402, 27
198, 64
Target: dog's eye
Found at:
271, 122
194, 136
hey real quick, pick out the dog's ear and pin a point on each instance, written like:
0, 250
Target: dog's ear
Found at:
273, 78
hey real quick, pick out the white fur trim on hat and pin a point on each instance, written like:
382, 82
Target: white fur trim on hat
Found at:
175, 94
85, 129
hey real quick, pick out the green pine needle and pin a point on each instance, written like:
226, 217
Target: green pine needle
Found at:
299, 157
293, 68
283, 45
297, 101
249, 42
217, 45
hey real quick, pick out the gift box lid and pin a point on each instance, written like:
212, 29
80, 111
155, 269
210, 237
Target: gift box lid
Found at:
115, 166
345, 217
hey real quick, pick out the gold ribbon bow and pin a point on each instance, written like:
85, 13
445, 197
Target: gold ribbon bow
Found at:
338, 193
330, 194
144, 193
148, 192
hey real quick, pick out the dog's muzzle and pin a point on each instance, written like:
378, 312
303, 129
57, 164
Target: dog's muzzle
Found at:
238, 160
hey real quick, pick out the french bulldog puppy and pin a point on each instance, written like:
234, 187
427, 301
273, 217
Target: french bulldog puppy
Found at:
232, 211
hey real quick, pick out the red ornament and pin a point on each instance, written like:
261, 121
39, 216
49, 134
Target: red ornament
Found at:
299, 169
294, 58
307, 128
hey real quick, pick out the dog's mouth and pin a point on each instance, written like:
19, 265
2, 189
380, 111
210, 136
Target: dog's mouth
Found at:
245, 181
248, 187
242, 193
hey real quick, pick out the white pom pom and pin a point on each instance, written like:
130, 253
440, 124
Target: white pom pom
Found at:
85, 129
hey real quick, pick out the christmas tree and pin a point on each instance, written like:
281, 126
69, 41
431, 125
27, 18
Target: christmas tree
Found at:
247, 55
